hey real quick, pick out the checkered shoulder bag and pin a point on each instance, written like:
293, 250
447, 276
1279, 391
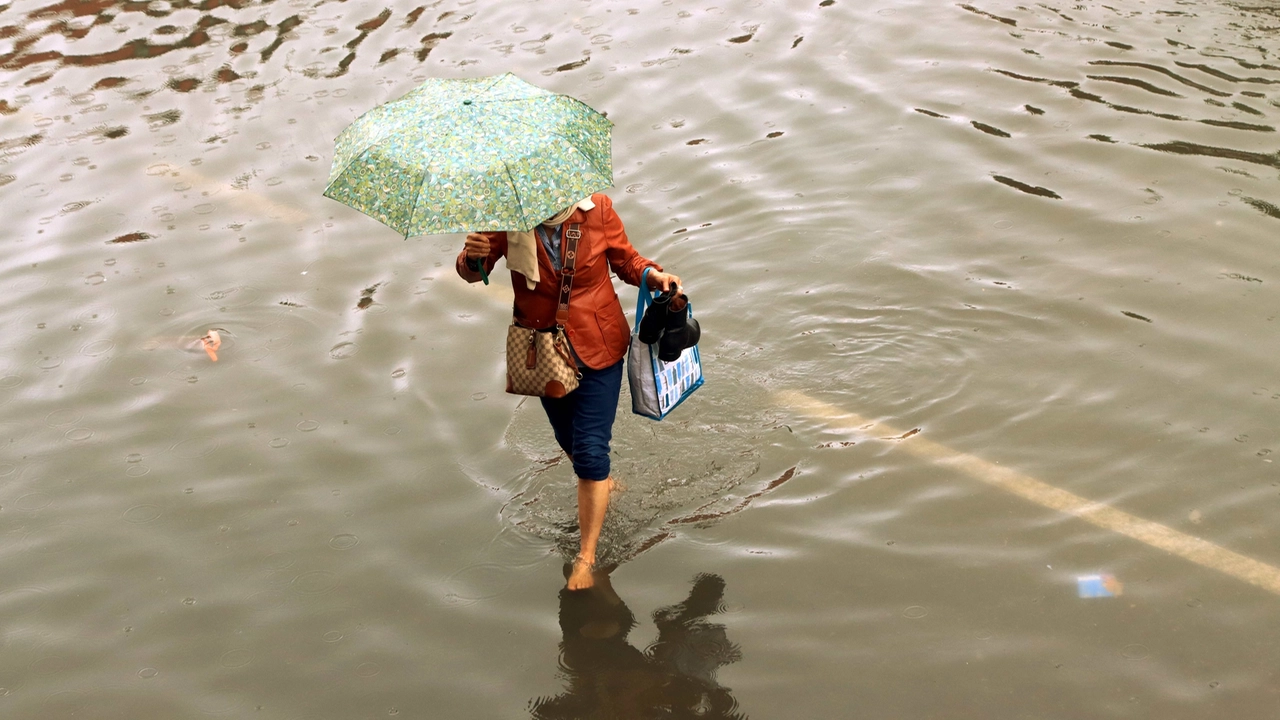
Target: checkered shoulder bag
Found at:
540, 362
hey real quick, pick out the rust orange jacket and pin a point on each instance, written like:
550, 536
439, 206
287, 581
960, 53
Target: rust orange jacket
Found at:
597, 328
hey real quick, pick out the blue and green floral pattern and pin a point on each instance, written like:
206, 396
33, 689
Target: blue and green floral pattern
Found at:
482, 154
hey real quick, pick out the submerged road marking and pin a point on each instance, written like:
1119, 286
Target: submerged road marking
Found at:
1201, 552
258, 202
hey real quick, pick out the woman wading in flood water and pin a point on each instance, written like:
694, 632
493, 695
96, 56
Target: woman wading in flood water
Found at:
597, 330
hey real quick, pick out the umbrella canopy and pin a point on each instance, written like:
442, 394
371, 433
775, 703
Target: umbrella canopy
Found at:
482, 154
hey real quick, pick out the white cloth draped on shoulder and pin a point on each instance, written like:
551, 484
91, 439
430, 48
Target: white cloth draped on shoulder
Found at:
522, 246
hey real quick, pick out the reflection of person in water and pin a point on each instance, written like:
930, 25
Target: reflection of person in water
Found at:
609, 678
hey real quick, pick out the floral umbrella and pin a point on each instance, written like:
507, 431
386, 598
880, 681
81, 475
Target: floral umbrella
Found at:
470, 155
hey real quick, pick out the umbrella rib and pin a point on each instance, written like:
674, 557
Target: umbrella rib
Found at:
426, 165
579, 151
497, 79
566, 140
413, 208
364, 148
350, 161
514, 188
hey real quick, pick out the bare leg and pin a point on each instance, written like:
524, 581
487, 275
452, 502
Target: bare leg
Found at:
593, 501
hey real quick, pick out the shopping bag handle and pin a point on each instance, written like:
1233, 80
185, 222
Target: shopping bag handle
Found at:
645, 297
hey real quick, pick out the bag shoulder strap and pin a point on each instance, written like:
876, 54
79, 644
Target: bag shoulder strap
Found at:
572, 235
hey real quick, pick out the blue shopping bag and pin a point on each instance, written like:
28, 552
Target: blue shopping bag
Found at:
657, 387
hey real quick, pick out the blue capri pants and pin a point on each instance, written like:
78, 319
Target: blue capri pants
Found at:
583, 420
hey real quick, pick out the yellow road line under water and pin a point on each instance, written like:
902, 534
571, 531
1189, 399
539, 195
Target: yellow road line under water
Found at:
1201, 552
257, 202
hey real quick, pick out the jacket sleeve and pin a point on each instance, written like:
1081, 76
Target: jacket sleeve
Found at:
497, 249
625, 262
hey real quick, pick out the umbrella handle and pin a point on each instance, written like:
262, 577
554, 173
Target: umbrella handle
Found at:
484, 275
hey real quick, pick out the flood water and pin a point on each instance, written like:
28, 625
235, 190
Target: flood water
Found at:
953, 263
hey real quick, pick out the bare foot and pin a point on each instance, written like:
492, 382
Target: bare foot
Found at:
582, 576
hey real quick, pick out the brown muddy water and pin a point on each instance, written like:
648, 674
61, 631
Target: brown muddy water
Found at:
989, 299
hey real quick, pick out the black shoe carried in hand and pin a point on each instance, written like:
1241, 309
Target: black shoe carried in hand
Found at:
679, 332
692, 332
655, 319
675, 342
